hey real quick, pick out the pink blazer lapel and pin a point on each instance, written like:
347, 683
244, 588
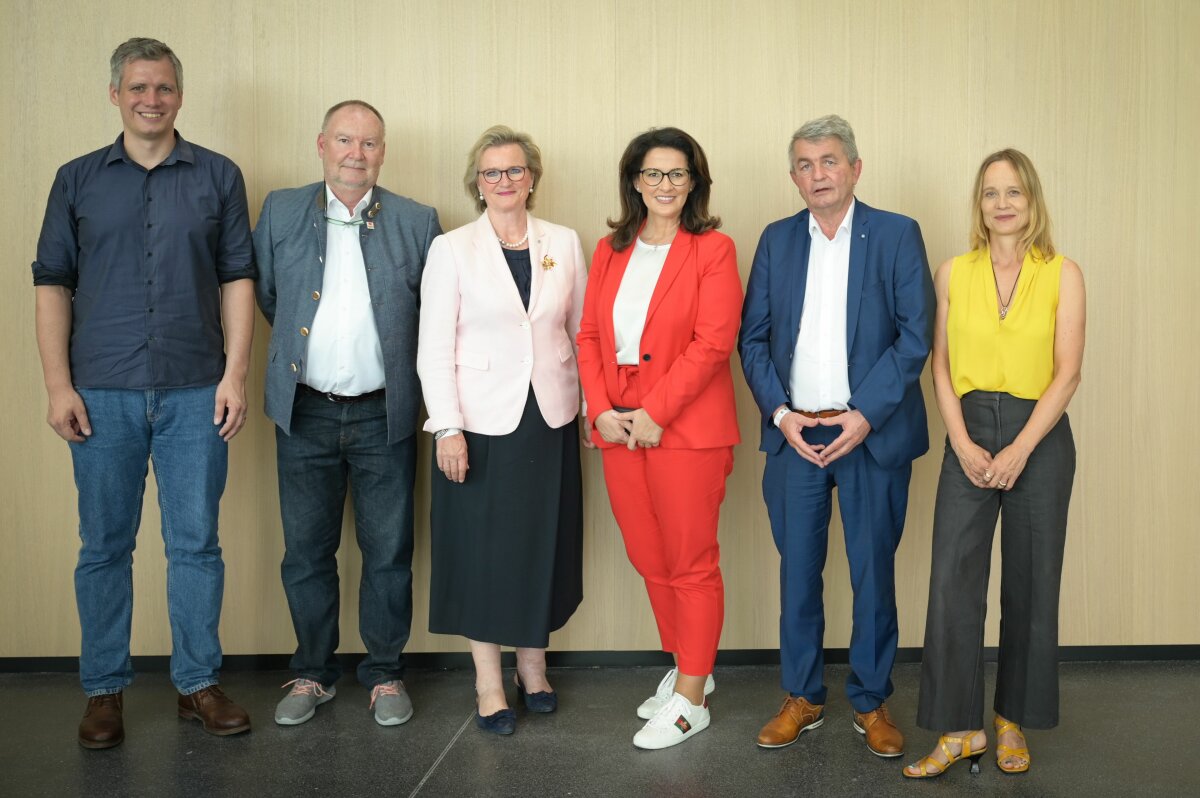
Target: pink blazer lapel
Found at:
491, 264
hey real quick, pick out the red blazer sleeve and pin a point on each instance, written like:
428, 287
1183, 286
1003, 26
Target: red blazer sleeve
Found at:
707, 340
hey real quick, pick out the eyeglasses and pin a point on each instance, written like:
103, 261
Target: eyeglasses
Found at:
652, 177
514, 173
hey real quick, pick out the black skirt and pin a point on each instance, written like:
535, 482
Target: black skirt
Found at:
506, 545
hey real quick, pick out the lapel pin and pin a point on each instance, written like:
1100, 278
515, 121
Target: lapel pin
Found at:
548, 263
371, 214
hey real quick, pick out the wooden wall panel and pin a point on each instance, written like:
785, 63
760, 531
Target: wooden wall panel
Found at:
1107, 103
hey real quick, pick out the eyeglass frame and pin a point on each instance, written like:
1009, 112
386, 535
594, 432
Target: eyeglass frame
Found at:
687, 176
500, 174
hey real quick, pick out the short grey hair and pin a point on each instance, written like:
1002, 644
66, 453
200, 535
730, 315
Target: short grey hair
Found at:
366, 106
826, 127
140, 49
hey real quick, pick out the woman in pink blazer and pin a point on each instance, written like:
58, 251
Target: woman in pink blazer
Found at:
663, 305
501, 299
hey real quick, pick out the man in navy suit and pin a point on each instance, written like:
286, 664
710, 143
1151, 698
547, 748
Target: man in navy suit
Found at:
340, 264
836, 328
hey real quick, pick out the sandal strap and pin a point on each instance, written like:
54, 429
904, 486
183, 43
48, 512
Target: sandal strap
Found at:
1007, 751
1006, 726
1004, 752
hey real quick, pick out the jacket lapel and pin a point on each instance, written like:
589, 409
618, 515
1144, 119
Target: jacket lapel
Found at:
491, 262
539, 242
797, 276
617, 263
859, 239
318, 211
680, 251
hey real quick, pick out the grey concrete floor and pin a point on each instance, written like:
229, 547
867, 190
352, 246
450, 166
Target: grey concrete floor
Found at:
1128, 730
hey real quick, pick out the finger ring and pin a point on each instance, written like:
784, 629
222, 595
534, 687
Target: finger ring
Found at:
1004, 484
987, 474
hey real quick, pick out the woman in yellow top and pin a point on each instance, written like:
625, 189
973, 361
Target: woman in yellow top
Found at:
1007, 349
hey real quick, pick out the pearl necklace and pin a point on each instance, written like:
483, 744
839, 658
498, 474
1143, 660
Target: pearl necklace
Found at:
516, 245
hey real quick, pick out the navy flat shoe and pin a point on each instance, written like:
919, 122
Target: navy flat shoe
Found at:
502, 722
545, 701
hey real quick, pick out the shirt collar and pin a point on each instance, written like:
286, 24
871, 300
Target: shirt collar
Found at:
814, 227
181, 152
334, 206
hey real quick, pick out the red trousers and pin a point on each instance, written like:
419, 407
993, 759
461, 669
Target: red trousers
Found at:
667, 503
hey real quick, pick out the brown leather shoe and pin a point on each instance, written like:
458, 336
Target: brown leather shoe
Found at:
215, 711
883, 738
102, 725
795, 717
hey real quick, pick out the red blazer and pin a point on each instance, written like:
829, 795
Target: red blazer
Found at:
690, 333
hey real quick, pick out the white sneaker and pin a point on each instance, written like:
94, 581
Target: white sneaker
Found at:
678, 720
666, 689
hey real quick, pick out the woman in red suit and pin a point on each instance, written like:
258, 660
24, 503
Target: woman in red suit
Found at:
660, 320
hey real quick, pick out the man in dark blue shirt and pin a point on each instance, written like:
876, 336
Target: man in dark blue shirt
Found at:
145, 312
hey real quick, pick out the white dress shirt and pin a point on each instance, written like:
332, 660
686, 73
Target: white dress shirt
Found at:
633, 299
819, 378
344, 355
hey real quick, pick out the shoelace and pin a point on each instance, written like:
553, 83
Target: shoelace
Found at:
666, 688
307, 687
387, 688
670, 712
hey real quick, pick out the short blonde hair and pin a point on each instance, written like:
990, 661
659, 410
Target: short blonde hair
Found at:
498, 136
1037, 234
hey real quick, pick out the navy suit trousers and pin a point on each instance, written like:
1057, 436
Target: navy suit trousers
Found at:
873, 501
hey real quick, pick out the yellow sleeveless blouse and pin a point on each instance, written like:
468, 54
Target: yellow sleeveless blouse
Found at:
1014, 356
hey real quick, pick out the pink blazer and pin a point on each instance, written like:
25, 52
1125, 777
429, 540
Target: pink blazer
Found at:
478, 349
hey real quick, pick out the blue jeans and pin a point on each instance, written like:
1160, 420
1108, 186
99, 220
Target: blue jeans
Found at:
332, 446
173, 428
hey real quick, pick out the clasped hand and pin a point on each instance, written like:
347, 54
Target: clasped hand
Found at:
994, 473
633, 428
854, 431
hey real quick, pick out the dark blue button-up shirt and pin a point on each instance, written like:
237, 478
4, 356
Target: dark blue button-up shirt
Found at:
145, 252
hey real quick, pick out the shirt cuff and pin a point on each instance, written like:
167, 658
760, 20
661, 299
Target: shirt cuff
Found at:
779, 414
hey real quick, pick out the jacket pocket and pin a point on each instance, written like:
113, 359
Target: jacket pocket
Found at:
472, 360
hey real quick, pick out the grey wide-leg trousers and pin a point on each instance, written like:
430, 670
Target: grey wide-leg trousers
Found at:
1032, 537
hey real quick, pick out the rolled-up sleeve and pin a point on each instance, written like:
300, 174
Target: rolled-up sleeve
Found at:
235, 249
58, 245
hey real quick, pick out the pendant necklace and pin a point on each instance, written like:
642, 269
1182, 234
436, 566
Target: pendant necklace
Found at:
1004, 305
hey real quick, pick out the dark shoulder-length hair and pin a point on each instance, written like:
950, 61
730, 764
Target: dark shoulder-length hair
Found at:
695, 218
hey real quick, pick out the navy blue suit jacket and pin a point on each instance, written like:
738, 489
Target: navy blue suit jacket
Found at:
889, 327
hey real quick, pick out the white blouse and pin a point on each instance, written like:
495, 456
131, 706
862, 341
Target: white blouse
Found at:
633, 299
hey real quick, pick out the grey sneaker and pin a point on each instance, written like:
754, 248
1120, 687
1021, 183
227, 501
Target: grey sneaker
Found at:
391, 703
301, 703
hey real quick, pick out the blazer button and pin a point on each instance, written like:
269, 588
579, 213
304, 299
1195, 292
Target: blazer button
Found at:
645, 357
294, 367
316, 295
304, 331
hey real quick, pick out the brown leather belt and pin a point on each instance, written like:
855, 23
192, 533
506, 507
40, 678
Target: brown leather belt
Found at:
819, 413
337, 398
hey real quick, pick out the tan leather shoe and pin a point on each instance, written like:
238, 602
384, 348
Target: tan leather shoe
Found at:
102, 725
795, 717
883, 738
218, 714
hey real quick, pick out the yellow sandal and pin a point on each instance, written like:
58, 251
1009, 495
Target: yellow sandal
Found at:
964, 752
1004, 752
